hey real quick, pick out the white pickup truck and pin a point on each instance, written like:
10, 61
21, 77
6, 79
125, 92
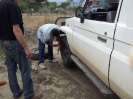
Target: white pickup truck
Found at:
99, 43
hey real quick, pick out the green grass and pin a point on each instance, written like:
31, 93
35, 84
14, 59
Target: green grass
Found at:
2, 54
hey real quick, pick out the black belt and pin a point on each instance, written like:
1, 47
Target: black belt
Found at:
7, 41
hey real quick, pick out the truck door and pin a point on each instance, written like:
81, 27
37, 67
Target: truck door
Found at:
94, 38
121, 71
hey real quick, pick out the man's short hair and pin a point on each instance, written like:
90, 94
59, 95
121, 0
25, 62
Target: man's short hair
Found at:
55, 32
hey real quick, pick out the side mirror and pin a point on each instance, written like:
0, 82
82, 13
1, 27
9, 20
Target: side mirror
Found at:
82, 19
80, 13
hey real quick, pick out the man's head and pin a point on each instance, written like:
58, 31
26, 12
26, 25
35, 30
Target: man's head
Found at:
55, 32
17, 1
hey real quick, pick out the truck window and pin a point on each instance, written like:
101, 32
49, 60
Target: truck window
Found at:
101, 10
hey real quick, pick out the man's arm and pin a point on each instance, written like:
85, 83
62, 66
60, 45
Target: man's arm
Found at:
58, 39
55, 45
18, 33
51, 44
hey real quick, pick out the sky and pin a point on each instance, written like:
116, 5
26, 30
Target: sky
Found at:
58, 1
76, 2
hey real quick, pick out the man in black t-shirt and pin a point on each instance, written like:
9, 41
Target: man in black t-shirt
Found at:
16, 49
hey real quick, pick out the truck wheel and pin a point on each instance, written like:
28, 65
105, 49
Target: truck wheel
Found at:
35, 54
65, 52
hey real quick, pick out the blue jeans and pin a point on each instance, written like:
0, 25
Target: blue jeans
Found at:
41, 49
15, 54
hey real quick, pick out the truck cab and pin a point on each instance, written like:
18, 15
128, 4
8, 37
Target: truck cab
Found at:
98, 39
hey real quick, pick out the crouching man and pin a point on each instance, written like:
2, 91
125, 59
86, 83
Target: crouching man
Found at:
46, 34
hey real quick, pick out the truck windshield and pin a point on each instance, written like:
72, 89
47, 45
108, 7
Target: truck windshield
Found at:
112, 1
100, 4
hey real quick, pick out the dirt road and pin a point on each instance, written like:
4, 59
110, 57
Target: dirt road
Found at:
55, 82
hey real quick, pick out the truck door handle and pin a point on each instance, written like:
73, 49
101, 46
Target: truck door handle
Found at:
102, 39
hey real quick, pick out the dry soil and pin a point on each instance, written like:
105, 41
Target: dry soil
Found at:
55, 82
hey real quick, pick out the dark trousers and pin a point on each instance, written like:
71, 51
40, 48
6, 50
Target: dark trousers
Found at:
15, 54
41, 48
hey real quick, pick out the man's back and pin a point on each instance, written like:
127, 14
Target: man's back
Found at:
44, 31
9, 15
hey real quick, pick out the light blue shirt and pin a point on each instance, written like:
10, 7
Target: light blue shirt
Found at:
44, 32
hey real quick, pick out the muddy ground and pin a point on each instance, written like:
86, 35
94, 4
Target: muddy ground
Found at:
55, 82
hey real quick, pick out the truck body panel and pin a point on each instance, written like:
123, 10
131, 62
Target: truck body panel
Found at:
94, 50
121, 72
104, 46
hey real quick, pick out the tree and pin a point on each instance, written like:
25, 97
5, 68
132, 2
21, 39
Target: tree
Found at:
23, 6
44, 6
65, 5
52, 6
32, 4
75, 3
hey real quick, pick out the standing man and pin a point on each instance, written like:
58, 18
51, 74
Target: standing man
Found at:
16, 49
46, 34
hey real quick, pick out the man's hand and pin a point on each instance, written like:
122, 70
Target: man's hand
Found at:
28, 54
51, 44
55, 45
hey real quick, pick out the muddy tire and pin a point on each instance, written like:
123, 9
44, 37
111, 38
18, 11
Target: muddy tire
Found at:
35, 53
66, 53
